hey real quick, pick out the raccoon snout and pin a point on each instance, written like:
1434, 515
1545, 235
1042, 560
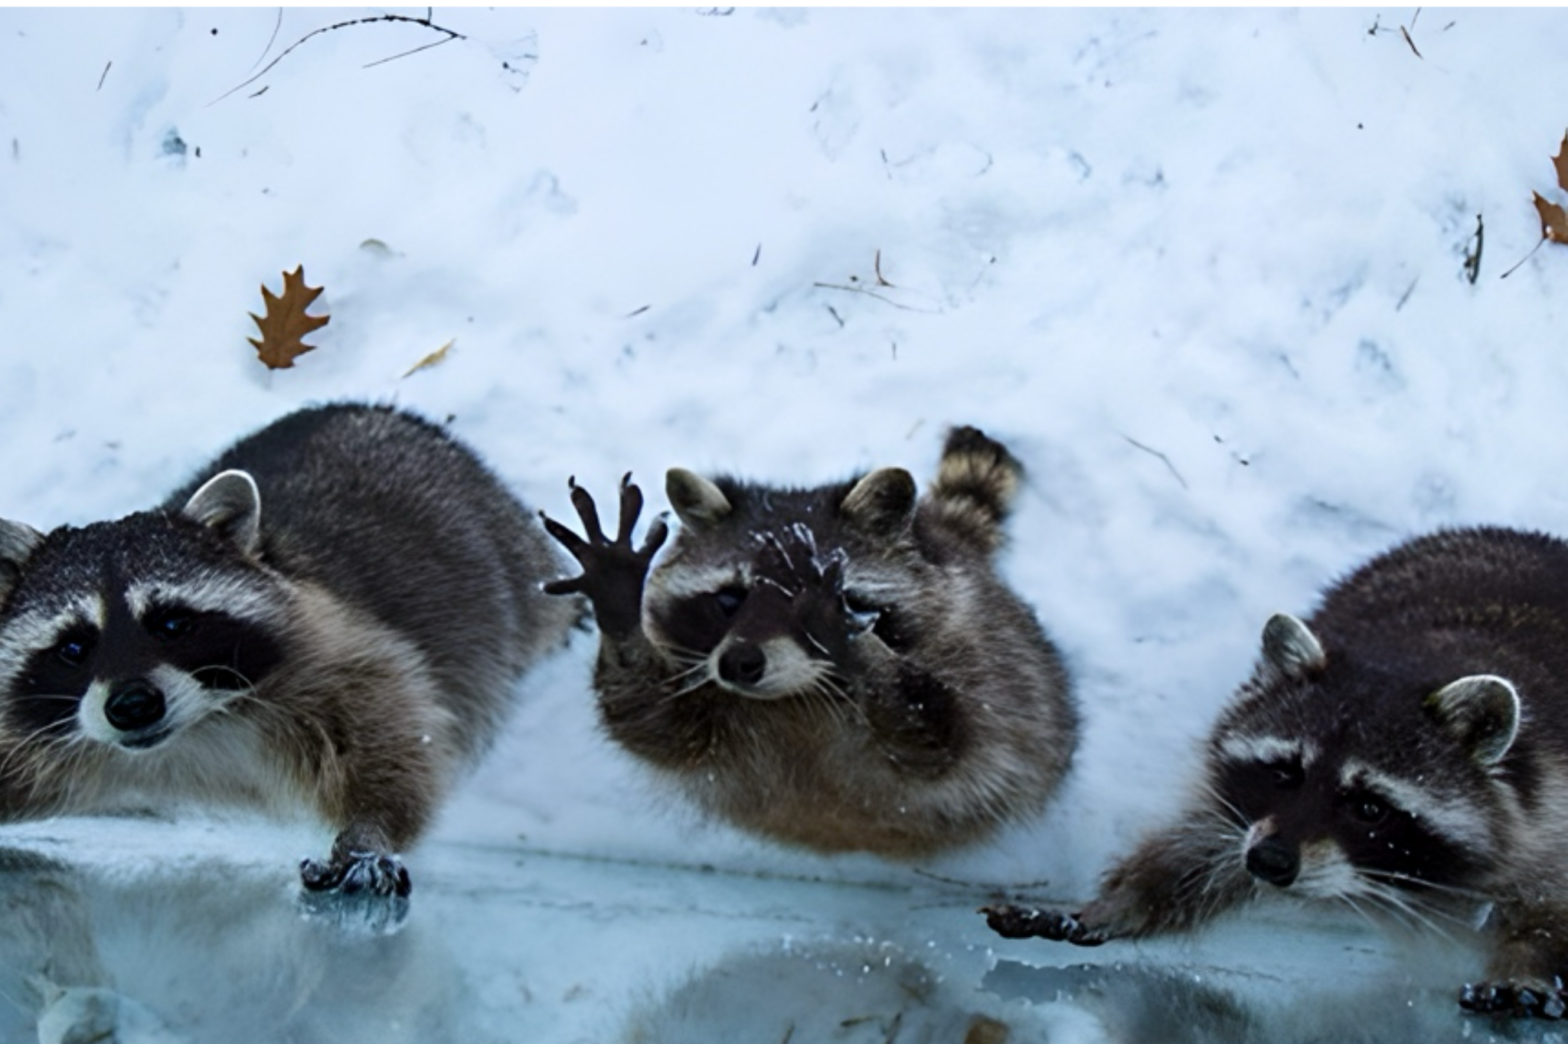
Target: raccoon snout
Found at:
1274, 861
134, 706
743, 663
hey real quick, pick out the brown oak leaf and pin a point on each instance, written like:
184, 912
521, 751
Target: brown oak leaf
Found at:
1560, 161
286, 322
1554, 221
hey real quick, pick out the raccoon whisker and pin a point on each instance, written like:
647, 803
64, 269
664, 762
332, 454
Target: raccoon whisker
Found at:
700, 667
1406, 910
829, 689
1397, 878
698, 684
226, 669
1426, 907
824, 694
1212, 792
63, 728
679, 653
1361, 911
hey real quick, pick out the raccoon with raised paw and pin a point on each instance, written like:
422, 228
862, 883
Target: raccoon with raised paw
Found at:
1401, 751
333, 617
839, 668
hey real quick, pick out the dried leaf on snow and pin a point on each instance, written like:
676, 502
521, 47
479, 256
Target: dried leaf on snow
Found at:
286, 324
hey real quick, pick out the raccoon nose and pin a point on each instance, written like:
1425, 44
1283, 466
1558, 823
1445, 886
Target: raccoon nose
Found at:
135, 705
743, 664
1274, 861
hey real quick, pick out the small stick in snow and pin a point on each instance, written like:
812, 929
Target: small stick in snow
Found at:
425, 21
1163, 457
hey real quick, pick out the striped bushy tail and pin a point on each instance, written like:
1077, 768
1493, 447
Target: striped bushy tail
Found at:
975, 484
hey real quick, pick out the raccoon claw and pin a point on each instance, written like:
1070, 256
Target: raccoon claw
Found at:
368, 873
1014, 922
366, 893
1511, 1000
613, 571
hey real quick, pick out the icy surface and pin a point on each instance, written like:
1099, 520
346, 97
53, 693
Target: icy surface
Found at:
1202, 271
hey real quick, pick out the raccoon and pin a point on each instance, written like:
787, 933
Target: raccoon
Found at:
1403, 752
345, 651
838, 668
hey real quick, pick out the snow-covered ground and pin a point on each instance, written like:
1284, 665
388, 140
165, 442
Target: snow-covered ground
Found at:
1204, 272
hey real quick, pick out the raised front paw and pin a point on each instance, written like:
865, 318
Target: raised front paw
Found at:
1017, 922
362, 891
1513, 1000
813, 582
613, 571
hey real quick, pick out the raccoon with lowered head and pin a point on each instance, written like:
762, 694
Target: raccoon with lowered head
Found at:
346, 649
839, 668
1402, 751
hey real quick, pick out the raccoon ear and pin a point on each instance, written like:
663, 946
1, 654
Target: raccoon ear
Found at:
230, 503
16, 543
697, 502
882, 502
1483, 711
1290, 647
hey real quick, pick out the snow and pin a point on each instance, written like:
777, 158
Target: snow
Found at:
1203, 271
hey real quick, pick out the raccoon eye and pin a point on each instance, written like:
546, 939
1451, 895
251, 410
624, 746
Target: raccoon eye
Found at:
73, 651
728, 600
1368, 810
171, 624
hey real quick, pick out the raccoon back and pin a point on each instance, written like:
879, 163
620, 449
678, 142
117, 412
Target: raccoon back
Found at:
1465, 601
389, 513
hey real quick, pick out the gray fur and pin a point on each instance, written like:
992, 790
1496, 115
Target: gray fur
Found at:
839, 668
367, 630
1403, 751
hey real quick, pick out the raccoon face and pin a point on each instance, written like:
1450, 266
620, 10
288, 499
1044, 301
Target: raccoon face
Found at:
738, 634
760, 595
1350, 783
124, 633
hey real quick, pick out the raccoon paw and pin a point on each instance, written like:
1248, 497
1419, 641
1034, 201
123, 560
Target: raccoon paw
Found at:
813, 583
1513, 1000
613, 571
1014, 922
371, 873
368, 891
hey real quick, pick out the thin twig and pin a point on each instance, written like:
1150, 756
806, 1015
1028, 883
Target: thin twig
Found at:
1523, 259
1406, 34
1404, 298
425, 21
276, 26
1157, 453
105, 75
876, 266
405, 54
1473, 258
879, 297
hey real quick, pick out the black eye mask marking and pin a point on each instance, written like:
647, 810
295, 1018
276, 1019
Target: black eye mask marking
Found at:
52, 682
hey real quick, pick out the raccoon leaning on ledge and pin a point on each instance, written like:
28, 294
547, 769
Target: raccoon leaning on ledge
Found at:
839, 668
335, 618
1403, 751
